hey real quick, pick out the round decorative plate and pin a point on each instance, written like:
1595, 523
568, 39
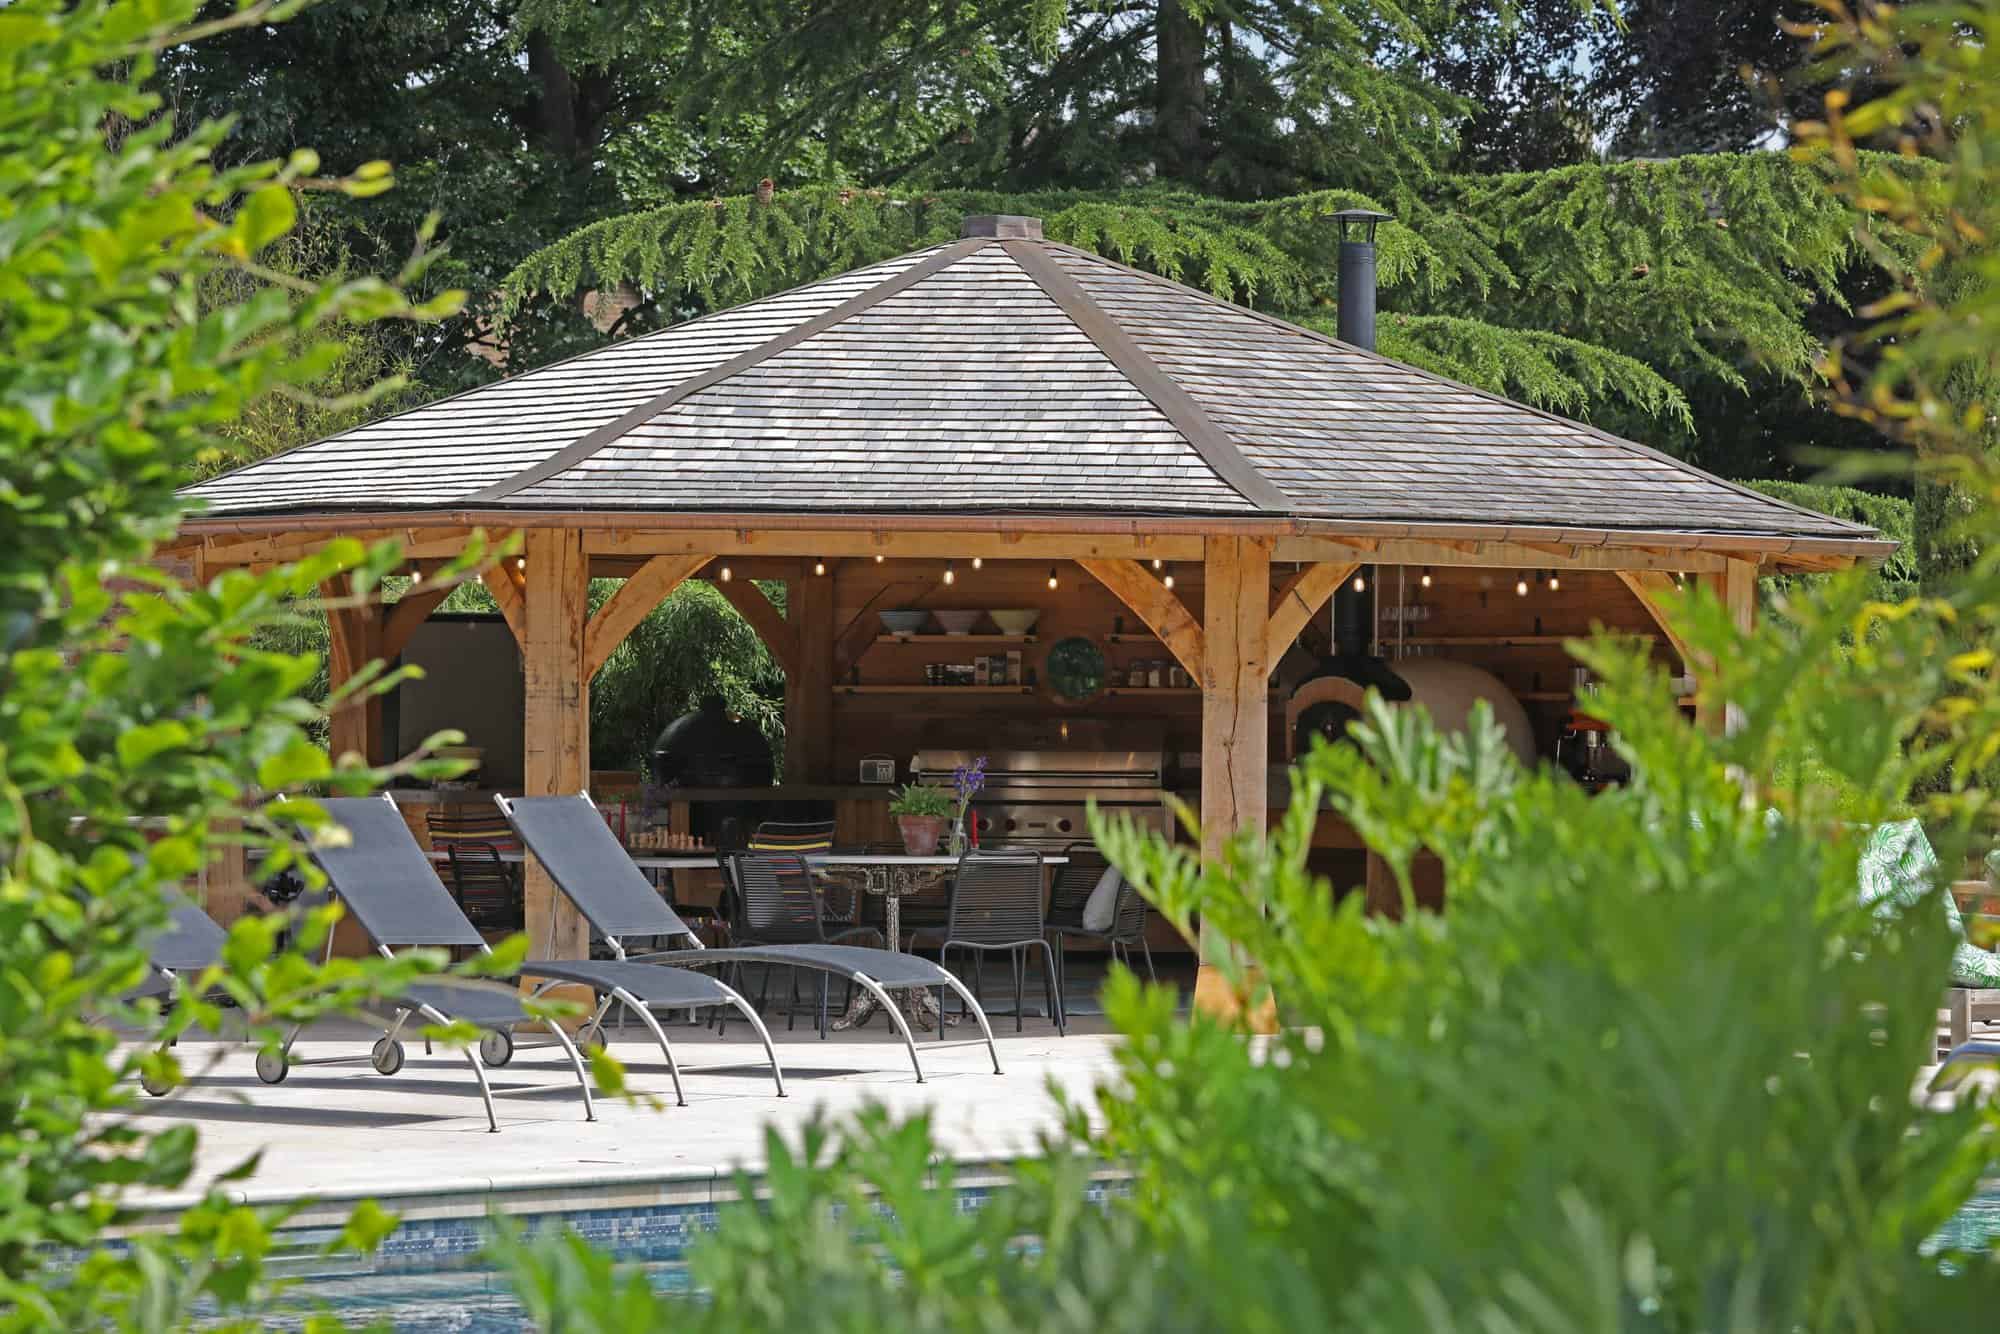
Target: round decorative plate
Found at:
1075, 669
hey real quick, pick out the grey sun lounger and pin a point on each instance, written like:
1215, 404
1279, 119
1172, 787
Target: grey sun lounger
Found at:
393, 888
193, 941
569, 837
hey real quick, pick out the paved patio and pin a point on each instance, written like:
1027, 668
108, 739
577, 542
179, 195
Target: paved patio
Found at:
418, 1140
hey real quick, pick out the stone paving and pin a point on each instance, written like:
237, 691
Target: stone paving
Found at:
419, 1140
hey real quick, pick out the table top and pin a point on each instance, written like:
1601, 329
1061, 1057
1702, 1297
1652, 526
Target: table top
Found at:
706, 862
899, 859
645, 861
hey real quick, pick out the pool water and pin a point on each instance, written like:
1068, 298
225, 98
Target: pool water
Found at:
429, 1277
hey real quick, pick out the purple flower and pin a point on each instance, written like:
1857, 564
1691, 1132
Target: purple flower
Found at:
967, 779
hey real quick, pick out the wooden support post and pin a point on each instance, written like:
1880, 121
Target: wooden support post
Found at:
809, 681
1736, 587
1235, 723
557, 725
354, 639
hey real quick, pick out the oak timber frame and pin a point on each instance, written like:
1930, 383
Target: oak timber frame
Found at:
1248, 620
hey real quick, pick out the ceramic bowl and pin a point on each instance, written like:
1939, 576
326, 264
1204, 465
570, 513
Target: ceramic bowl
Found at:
958, 622
1016, 622
904, 620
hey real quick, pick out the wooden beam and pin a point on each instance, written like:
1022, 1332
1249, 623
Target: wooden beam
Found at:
556, 731
504, 582
649, 586
1164, 614
778, 636
809, 684
1235, 725
1495, 555
412, 610
1299, 600
833, 544
428, 543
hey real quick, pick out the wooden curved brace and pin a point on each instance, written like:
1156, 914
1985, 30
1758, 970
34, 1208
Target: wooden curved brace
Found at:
648, 587
1299, 600
503, 584
777, 633
1155, 604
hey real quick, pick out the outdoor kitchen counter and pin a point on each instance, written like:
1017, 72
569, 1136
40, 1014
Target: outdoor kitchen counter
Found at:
786, 792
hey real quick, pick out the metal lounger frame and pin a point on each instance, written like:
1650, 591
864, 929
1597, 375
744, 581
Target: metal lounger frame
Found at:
556, 973
779, 955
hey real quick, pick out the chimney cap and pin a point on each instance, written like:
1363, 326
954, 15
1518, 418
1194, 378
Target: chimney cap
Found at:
1006, 226
1364, 218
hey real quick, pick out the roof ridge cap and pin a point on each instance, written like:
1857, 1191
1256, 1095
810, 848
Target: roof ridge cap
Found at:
577, 451
1315, 335
1174, 402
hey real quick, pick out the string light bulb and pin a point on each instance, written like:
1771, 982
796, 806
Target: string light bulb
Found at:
1158, 563
819, 567
878, 558
1360, 584
520, 562
1555, 582
978, 562
1521, 587
1167, 576
1053, 581
950, 575
727, 574
1426, 580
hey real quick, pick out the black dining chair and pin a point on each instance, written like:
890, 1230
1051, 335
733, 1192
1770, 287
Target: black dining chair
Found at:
777, 904
996, 905
487, 889
1069, 898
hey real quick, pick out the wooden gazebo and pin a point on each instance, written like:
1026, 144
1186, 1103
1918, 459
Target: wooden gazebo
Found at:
1002, 398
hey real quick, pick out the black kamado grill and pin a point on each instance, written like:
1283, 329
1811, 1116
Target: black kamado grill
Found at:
708, 748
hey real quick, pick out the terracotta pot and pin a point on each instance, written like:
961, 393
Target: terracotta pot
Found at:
921, 833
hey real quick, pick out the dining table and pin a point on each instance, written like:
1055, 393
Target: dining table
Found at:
892, 876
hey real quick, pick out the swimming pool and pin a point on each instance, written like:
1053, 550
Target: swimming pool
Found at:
428, 1277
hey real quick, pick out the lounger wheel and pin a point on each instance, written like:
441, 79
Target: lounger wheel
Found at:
156, 1085
386, 1056
496, 1047
272, 1067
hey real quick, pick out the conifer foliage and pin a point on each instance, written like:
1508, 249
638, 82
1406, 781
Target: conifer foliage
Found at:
1588, 290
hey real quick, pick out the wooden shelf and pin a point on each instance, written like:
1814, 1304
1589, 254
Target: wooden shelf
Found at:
934, 690
1502, 641
929, 639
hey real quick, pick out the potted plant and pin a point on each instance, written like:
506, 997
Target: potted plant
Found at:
921, 811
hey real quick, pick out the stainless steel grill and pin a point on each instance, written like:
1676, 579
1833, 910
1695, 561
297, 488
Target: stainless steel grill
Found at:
1035, 798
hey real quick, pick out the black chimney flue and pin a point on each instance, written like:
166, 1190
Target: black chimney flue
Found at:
1357, 275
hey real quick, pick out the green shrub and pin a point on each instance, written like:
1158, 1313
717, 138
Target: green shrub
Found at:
144, 726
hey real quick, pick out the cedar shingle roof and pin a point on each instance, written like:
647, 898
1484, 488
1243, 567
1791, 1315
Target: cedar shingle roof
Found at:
1002, 375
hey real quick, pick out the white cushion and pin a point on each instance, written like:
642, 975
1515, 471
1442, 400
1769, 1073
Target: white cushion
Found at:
1102, 906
